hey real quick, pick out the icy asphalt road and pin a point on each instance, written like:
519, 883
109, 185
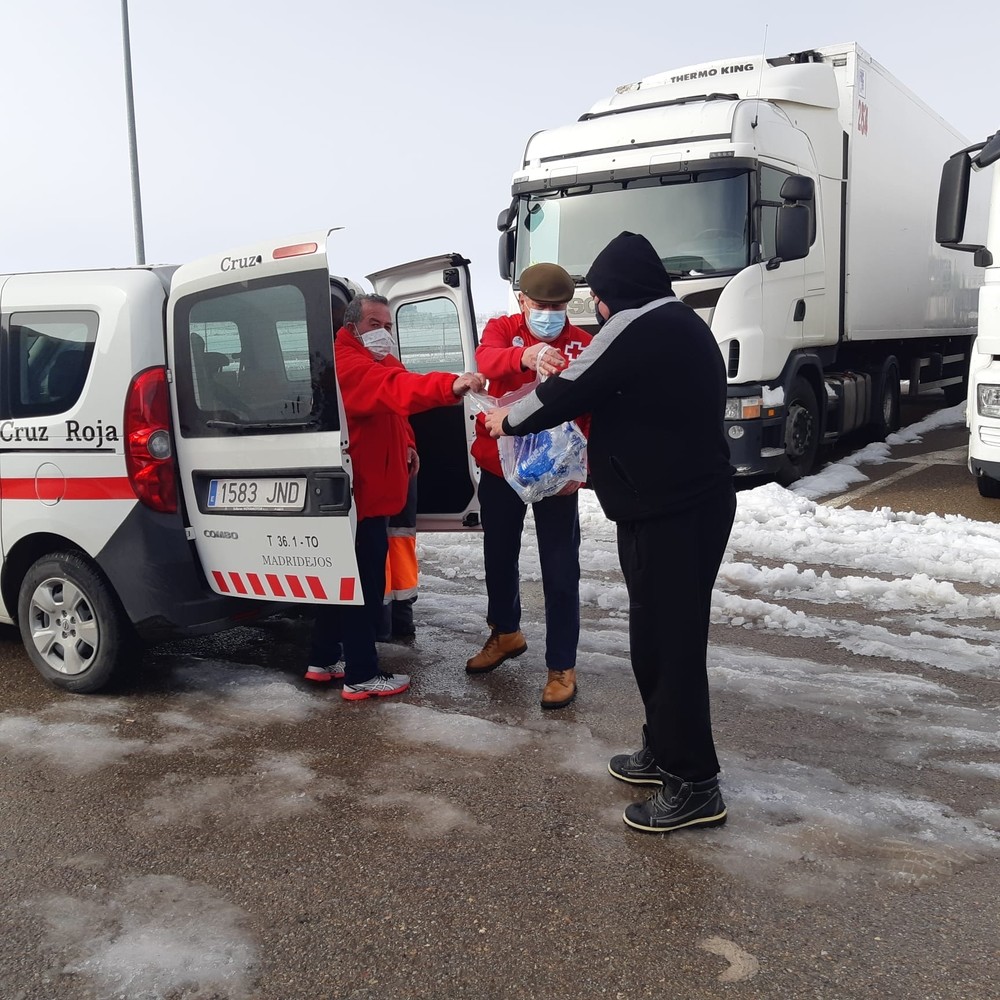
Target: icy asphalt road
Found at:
217, 829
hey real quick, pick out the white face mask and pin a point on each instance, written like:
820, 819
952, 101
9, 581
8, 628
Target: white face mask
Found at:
379, 343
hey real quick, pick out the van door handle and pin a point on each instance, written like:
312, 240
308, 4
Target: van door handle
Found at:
800, 311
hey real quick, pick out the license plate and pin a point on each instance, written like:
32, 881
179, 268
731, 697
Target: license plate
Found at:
256, 494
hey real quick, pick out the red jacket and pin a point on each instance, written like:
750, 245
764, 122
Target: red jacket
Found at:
498, 357
379, 397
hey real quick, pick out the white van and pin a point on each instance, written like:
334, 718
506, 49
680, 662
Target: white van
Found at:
173, 445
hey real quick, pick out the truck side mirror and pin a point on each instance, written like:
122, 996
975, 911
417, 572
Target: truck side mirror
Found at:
791, 240
953, 199
796, 229
505, 255
797, 188
991, 151
506, 218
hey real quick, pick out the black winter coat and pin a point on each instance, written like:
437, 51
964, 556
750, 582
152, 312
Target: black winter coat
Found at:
654, 383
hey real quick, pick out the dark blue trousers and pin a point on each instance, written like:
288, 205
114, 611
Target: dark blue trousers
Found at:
347, 631
557, 526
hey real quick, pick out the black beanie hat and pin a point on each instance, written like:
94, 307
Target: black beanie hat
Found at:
628, 273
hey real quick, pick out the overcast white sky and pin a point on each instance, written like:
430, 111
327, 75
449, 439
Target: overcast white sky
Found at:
402, 122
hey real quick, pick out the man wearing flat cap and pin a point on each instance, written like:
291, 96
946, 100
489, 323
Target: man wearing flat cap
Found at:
514, 350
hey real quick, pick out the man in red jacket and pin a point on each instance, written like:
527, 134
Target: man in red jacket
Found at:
379, 396
538, 340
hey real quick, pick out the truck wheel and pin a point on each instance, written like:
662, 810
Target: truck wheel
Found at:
988, 488
72, 624
885, 413
801, 433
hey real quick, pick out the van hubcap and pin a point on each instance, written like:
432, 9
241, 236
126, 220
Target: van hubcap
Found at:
63, 627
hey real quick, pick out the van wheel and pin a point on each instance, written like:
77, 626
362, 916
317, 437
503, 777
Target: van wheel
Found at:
801, 433
72, 624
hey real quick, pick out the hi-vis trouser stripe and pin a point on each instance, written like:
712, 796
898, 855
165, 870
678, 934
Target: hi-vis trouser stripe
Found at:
288, 586
401, 565
401, 559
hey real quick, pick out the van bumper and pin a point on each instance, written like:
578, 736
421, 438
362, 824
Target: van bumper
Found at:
156, 575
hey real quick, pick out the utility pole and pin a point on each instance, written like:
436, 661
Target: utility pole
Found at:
140, 250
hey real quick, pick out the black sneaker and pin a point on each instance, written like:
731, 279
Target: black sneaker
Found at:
637, 768
677, 805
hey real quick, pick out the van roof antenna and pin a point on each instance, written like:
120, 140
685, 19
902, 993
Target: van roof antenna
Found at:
760, 79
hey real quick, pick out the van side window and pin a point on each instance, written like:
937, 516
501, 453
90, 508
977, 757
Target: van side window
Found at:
50, 356
430, 339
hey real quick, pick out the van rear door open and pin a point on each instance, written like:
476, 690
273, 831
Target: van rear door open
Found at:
259, 423
435, 327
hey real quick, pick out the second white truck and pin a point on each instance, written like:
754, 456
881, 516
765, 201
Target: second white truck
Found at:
792, 201
983, 410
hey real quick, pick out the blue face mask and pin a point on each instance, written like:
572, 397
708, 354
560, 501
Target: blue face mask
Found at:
546, 323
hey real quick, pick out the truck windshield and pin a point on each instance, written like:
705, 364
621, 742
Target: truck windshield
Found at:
698, 223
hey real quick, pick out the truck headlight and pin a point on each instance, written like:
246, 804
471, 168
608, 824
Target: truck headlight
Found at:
989, 400
743, 407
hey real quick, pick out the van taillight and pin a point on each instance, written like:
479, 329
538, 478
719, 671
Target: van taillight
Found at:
148, 449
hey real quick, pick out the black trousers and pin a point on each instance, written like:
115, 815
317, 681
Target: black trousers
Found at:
670, 564
347, 631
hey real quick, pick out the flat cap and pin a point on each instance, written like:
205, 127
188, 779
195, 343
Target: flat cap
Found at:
547, 283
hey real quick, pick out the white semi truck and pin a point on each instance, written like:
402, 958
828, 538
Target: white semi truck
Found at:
983, 409
792, 201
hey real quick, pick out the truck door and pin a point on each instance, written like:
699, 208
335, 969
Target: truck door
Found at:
434, 324
258, 423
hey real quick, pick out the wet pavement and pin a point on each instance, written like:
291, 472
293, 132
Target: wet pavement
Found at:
218, 828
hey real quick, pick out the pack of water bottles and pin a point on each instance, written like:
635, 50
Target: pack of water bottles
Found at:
538, 465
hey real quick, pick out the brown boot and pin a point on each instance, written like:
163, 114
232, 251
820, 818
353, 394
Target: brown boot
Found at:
499, 646
560, 689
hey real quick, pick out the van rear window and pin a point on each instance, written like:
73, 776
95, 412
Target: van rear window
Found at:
257, 358
50, 355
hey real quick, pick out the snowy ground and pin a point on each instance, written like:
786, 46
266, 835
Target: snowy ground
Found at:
917, 590
877, 625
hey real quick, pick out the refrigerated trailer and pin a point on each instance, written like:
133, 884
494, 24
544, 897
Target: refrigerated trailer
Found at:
791, 200
983, 406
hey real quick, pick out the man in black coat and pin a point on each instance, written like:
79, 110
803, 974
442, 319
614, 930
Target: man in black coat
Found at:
654, 383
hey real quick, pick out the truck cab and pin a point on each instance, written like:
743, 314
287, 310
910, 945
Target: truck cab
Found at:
783, 218
982, 411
